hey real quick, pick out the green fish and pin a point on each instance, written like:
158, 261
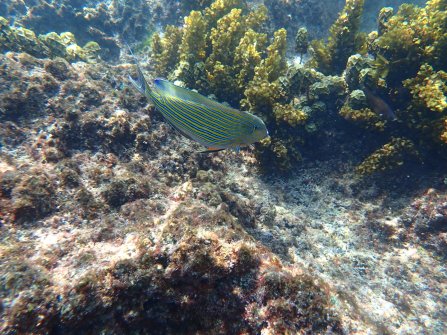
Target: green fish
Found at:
213, 125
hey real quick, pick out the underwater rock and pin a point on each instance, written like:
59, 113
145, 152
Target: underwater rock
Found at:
201, 257
427, 215
357, 99
32, 197
121, 191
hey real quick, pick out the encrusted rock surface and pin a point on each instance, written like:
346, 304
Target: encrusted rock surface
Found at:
111, 222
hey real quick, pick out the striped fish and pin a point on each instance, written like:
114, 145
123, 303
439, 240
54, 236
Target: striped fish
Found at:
213, 125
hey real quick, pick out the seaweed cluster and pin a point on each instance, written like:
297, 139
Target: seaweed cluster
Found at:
366, 79
405, 70
224, 50
102, 22
217, 50
392, 82
50, 45
344, 40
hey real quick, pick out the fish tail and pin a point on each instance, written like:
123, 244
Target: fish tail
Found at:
140, 83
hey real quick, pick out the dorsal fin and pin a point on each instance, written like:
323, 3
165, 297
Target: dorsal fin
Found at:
165, 87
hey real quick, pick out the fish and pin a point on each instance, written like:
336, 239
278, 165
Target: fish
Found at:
379, 106
214, 125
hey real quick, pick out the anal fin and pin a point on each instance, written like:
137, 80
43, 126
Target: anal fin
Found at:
210, 149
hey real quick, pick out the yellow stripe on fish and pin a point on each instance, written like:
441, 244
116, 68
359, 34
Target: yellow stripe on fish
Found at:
203, 120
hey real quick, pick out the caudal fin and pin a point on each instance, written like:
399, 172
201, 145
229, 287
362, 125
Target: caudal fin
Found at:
140, 83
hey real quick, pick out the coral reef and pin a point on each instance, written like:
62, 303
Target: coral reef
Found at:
427, 217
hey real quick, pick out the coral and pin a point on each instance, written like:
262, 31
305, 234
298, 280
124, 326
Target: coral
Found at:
389, 156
